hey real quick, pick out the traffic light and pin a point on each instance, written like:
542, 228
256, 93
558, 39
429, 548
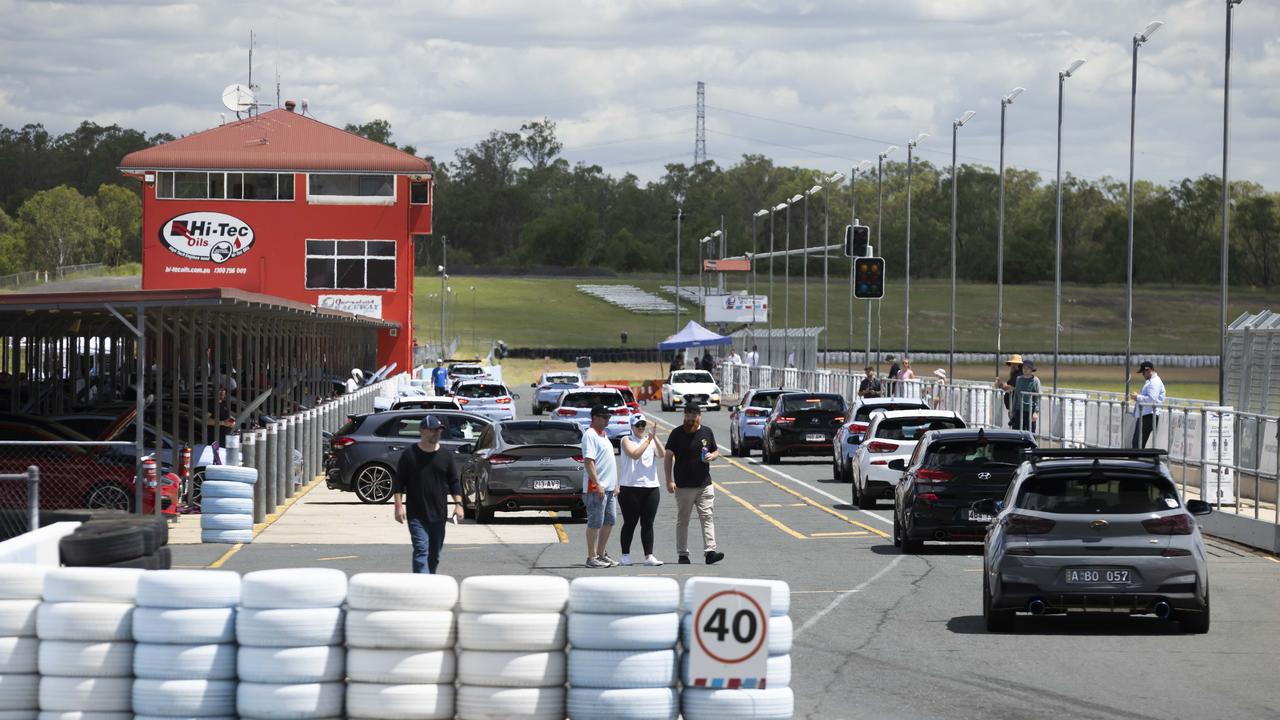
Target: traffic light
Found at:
856, 239
868, 280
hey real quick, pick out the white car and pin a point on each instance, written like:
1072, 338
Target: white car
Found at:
403, 392
892, 435
425, 403
686, 386
490, 399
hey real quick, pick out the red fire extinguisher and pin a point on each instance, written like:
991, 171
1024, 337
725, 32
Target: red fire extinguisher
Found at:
184, 466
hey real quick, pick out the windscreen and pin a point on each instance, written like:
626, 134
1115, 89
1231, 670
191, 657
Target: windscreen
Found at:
864, 411
463, 370
533, 434
824, 403
764, 399
692, 376
481, 391
586, 400
961, 453
1090, 494
911, 428
563, 380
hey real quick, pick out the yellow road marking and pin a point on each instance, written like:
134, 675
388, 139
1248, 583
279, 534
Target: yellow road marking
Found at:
741, 482
810, 501
257, 529
778, 505
763, 515
850, 533
560, 533
226, 555
340, 557
1272, 559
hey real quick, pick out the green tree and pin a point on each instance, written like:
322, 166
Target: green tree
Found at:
13, 250
121, 212
60, 227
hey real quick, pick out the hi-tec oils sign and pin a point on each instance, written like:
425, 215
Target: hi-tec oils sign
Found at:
210, 236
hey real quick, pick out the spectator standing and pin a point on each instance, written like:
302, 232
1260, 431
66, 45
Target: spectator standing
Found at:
220, 418
906, 373
1014, 363
690, 450
599, 484
708, 363
440, 378
791, 358
1026, 399
426, 476
939, 388
753, 357
638, 487
870, 386
676, 362
893, 371
734, 358
1146, 404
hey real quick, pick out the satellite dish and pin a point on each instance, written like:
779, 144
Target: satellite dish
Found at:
238, 98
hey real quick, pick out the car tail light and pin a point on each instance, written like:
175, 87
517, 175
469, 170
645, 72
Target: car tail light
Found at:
1021, 551
881, 447
622, 411
879, 462
341, 442
857, 427
839, 418
756, 412
576, 458
1175, 552
502, 459
1180, 524
785, 420
927, 497
934, 475
567, 412
503, 401
462, 401
1028, 525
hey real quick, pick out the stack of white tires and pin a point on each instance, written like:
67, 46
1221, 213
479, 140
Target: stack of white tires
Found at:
775, 701
291, 662
21, 587
184, 663
85, 626
400, 637
622, 659
226, 504
511, 638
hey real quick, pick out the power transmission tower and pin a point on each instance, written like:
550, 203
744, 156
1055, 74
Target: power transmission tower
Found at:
700, 135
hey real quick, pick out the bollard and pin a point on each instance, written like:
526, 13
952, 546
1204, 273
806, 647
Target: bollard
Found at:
247, 445
260, 487
313, 448
284, 488
295, 472
233, 449
268, 474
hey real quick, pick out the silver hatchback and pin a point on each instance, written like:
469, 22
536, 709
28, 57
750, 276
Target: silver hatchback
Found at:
1096, 531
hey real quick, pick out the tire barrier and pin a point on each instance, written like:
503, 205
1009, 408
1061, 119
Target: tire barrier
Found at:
82, 642
227, 504
622, 659
131, 541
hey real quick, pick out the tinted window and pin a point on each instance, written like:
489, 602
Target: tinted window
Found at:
1087, 495
913, 428
864, 410
973, 453
564, 379
825, 403
481, 391
586, 400
464, 370
534, 435
464, 429
402, 427
764, 399
692, 376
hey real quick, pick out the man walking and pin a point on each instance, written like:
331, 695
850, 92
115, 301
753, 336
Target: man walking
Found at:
440, 378
870, 386
690, 449
426, 475
753, 357
1146, 404
599, 484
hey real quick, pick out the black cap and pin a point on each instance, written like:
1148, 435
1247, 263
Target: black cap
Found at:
693, 407
1029, 365
601, 411
1146, 365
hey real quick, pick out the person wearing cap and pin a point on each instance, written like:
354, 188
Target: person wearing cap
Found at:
892, 377
1026, 399
690, 450
1014, 363
426, 477
638, 487
936, 399
1146, 404
599, 483
870, 387
440, 378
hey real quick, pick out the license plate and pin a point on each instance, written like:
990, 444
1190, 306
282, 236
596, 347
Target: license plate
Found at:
546, 484
1096, 576
815, 437
979, 517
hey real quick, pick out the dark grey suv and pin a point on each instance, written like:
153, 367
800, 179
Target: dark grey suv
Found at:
363, 452
524, 465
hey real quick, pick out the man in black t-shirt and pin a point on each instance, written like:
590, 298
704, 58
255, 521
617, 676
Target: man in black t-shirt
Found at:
425, 476
870, 385
691, 448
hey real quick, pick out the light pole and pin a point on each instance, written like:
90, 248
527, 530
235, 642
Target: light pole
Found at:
1138, 40
702, 289
1005, 102
754, 243
679, 216
473, 316
853, 219
1226, 194
786, 284
805, 304
719, 276
955, 132
879, 246
826, 270
906, 316
443, 267
1057, 226
769, 347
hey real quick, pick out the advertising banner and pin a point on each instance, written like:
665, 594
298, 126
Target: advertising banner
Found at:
368, 305
737, 309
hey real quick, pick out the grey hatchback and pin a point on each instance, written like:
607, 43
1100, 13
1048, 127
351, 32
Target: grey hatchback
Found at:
523, 465
363, 452
1094, 530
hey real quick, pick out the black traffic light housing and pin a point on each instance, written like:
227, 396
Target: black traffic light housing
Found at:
868, 278
856, 239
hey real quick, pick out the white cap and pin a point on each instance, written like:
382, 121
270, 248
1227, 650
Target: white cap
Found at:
637, 418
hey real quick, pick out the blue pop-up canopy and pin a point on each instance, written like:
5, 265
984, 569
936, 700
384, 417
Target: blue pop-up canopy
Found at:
693, 335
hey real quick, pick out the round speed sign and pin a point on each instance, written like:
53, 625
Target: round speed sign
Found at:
730, 626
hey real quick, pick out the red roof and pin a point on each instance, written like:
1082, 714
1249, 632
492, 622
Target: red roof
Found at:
275, 140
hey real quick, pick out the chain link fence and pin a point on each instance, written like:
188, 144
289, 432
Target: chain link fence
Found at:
19, 502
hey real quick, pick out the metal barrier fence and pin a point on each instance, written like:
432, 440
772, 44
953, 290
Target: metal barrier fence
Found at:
72, 474
39, 276
1225, 457
19, 502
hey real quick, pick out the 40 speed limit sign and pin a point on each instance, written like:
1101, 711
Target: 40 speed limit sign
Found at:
729, 629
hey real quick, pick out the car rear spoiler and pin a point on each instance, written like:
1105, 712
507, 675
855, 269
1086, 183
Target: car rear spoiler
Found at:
1153, 455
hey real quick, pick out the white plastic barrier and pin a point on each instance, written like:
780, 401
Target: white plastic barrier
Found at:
21, 587
226, 504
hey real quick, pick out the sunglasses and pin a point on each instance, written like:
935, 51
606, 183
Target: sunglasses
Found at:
640, 424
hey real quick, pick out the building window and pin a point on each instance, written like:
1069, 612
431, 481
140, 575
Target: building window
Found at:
224, 186
351, 189
420, 192
351, 265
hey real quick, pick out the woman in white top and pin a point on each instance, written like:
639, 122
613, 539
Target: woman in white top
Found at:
638, 490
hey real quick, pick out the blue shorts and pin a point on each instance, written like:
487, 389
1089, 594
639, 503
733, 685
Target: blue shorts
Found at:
601, 511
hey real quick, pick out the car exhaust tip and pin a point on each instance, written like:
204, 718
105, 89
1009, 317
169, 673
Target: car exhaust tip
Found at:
1036, 607
940, 535
1163, 611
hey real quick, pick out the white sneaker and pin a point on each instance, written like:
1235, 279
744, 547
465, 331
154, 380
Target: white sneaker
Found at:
626, 559
608, 561
595, 563
651, 560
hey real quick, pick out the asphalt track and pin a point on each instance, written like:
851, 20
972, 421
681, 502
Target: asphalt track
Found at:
883, 635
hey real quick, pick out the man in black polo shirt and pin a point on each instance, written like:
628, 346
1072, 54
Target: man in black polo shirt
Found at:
691, 448
427, 474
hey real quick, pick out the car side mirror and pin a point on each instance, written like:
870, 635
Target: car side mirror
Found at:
986, 507
1199, 507
515, 396
466, 449
533, 385
899, 465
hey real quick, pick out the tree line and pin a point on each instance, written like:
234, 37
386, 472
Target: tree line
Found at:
513, 200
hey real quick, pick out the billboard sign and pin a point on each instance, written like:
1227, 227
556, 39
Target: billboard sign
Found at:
209, 236
737, 309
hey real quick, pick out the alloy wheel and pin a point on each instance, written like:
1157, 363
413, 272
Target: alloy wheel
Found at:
373, 485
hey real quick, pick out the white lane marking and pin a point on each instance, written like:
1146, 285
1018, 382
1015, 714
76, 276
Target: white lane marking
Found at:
798, 481
845, 595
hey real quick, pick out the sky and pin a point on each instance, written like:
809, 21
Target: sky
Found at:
816, 84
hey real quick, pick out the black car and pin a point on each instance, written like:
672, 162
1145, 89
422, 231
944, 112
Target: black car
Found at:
522, 465
950, 471
364, 451
802, 424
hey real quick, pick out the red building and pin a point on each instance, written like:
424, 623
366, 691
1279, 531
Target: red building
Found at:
283, 204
